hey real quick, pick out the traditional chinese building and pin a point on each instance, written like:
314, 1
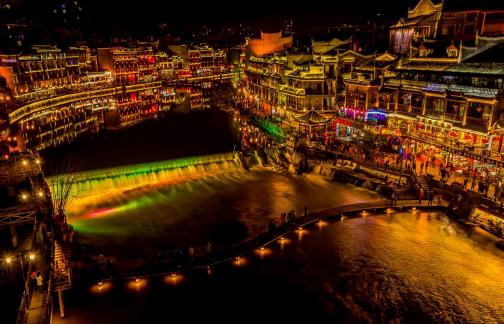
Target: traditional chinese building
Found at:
449, 19
444, 97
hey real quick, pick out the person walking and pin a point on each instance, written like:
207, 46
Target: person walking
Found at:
466, 180
33, 277
420, 195
430, 197
40, 281
498, 188
473, 183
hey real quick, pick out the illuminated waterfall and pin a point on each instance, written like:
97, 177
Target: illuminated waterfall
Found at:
99, 187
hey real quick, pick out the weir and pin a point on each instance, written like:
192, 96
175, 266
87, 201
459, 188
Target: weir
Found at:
152, 173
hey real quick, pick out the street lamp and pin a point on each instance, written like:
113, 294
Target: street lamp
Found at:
10, 259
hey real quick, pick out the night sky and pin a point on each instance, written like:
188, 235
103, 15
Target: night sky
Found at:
146, 15
143, 14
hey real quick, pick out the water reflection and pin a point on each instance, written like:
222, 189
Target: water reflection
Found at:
224, 205
389, 268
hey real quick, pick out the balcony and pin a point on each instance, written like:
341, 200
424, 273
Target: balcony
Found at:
416, 110
477, 123
403, 107
453, 118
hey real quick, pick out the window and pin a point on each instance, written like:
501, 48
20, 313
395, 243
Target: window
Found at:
471, 17
423, 31
469, 29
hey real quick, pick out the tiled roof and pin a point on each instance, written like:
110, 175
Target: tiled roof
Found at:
479, 68
486, 93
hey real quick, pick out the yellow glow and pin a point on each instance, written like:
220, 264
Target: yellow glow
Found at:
137, 284
321, 223
25, 163
238, 261
364, 213
100, 287
40, 193
24, 196
8, 260
342, 218
173, 278
37, 161
32, 256
262, 251
389, 210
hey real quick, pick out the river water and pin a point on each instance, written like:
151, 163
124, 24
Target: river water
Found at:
395, 268
383, 268
219, 202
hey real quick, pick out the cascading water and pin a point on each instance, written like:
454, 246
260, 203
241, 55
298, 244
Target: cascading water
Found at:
139, 175
98, 192
131, 211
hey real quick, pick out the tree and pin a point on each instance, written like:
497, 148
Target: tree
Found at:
61, 188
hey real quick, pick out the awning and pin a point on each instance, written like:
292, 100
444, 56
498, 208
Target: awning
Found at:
313, 118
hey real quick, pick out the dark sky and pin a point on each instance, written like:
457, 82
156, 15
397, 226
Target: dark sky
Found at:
146, 14
190, 12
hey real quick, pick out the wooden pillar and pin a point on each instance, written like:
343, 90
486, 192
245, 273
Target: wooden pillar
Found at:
397, 101
61, 303
445, 104
424, 105
346, 96
464, 119
410, 108
490, 119
14, 236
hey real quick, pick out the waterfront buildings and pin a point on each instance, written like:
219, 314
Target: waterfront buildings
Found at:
438, 91
51, 97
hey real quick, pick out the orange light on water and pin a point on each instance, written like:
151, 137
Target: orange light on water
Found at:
100, 287
137, 284
263, 251
239, 261
173, 278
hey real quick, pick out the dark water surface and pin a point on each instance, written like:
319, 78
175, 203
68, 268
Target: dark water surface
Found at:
403, 267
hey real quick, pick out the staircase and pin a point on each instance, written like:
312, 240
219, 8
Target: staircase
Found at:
62, 269
422, 181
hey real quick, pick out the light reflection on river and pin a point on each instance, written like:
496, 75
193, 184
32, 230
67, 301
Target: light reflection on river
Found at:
224, 205
398, 268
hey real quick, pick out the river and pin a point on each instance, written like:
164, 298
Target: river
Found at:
402, 267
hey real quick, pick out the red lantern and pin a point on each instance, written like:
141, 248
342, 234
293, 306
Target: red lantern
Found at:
467, 137
453, 134
484, 141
